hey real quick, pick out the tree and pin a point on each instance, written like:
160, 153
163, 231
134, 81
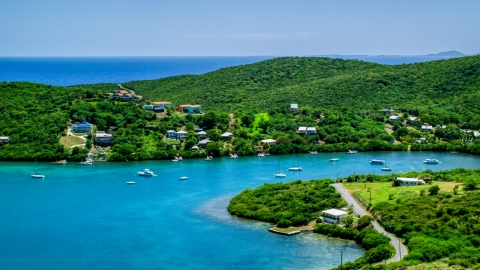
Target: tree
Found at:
348, 221
433, 190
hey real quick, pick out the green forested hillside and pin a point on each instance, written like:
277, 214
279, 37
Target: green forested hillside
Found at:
446, 88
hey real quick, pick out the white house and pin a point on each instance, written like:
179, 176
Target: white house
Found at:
402, 181
412, 119
293, 107
427, 128
226, 135
269, 141
394, 118
204, 142
302, 130
4, 139
202, 134
333, 215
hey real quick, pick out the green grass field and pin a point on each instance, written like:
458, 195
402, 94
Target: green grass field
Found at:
69, 141
380, 192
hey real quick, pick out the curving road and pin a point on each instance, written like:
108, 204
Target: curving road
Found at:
400, 249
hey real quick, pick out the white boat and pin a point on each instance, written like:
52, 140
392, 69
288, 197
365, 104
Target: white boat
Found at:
377, 161
233, 156
295, 168
352, 152
431, 161
130, 183
333, 159
88, 161
261, 154
146, 172
175, 160
278, 173
386, 168
183, 178
314, 152
37, 175
208, 158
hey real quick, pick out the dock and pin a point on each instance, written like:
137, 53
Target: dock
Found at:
283, 231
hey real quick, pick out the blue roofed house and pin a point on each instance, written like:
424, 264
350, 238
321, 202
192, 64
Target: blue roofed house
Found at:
181, 134
82, 127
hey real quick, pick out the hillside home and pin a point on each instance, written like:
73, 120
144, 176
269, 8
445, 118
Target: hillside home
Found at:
204, 142
195, 148
84, 127
4, 139
311, 130
148, 107
172, 134
302, 130
160, 106
402, 181
181, 134
126, 97
394, 118
188, 108
202, 134
386, 111
226, 136
137, 98
427, 128
293, 107
103, 138
333, 215
412, 119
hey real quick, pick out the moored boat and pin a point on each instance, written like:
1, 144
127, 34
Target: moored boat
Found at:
88, 161
352, 152
37, 175
278, 173
146, 172
183, 178
295, 168
386, 169
261, 154
333, 159
431, 161
60, 162
131, 183
377, 161
314, 152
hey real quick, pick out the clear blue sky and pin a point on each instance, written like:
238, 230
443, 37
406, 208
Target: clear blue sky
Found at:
247, 27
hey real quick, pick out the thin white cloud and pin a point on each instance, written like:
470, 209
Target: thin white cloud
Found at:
258, 36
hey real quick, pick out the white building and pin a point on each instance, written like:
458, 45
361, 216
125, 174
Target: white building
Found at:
269, 141
402, 181
333, 215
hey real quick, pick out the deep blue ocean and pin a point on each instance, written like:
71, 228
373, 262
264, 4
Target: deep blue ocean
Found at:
65, 71
87, 217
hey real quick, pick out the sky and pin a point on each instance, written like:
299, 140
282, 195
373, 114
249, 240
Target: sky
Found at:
237, 28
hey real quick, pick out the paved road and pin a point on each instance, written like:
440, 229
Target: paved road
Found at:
400, 249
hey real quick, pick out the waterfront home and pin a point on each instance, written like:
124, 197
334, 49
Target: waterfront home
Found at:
103, 138
4, 139
171, 134
82, 127
188, 108
333, 215
403, 181
195, 148
160, 106
427, 128
204, 142
202, 134
182, 134
269, 141
311, 130
394, 118
293, 107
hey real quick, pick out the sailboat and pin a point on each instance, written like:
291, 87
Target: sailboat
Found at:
294, 167
278, 173
386, 168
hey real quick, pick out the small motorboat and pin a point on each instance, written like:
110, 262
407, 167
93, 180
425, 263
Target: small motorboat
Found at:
208, 158
131, 183
233, 156
352, 152
386, 169
60, 162
280, 175
377, 161
314, 152
183, 178
333, 159
261, 154
146, 172
431, 161
88, 161
295, 168
37, 175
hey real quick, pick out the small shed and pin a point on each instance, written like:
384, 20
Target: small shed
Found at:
334, 215
293, 107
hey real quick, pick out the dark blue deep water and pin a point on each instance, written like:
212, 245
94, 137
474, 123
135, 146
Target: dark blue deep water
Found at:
65, 71
86, 217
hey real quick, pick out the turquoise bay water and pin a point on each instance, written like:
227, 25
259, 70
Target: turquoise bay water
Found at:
86, 217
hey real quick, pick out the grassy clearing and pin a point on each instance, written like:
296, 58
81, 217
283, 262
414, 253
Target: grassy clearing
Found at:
69, 141
381, 191
171, 141
258, 119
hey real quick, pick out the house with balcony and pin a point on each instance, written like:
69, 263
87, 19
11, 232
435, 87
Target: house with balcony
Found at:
182, 134
103, 138
394, 118
84, 127
333, 215
172, 134
202, 134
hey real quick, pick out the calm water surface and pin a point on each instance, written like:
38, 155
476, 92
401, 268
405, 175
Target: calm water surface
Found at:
86, 217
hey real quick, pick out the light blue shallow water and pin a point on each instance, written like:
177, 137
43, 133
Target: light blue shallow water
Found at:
86, 217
